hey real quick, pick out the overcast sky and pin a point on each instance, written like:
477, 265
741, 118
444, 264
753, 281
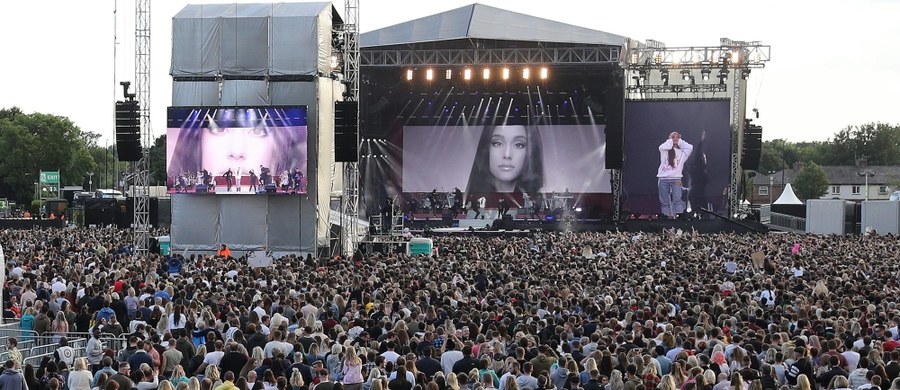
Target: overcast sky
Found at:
834, 63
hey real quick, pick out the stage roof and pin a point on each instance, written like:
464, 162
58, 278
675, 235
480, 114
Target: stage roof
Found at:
478, 21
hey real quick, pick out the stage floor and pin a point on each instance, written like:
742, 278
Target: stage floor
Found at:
480, 226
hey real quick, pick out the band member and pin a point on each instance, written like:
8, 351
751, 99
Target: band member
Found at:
229, 179
265, 176
237, 178
253, 181
207, 178
672, 155
502, 207
433, 199
285, 180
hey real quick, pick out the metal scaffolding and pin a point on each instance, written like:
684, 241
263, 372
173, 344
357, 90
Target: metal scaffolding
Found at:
350, 203
487, 56
141, 170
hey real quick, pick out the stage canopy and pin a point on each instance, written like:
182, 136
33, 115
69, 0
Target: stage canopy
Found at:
245, 40
478, 21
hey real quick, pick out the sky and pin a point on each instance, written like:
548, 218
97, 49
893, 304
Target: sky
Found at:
833, 64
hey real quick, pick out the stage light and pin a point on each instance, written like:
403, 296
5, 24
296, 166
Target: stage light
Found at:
429, 74
723, 75
735, 57
745, 73
409, 74
526, 73
686, 74
642, 75
658, 57
448, 74
486, 73
467, 74
664, 75
505, 73
544, 73
578, 209
705, 73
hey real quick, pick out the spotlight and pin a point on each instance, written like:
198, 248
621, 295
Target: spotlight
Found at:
409, 74
467, 74
664, 75
448, 74
544, 73
486, 73
429, 74
643, 75
686, 74
578, 209
526, 73
723, 75
705, 73
506, 73
658, 57
745, 73
735, 57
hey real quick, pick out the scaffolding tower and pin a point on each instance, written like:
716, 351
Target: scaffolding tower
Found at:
141, 169
350, 203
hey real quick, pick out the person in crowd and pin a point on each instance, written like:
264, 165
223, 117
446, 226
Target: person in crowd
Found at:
482, 305
508, 158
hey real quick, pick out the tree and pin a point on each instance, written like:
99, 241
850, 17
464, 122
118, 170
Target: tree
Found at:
811, 182
30, 143
157, 155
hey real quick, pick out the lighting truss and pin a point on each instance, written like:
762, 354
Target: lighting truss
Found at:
482, 56
666, 88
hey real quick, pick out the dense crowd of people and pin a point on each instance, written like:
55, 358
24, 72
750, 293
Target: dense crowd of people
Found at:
591, 311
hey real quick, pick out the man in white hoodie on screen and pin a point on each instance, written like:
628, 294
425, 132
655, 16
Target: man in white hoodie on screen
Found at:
672, 155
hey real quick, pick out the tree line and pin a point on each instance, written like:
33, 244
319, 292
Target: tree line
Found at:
30, 143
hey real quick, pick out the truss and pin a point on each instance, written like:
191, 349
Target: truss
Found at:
141, 175
351, 60
506, 56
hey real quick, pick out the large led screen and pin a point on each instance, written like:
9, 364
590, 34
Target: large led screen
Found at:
656, 166
241, 150
505, 159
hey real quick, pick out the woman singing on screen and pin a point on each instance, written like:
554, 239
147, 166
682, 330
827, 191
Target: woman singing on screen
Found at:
236, 139
509, 158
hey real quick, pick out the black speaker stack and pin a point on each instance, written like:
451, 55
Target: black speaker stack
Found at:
346, 131
128, 130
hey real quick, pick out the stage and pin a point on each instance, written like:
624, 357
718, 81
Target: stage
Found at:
28, 224
498, 227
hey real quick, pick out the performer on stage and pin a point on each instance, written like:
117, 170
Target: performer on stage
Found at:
672, 155
253, 181
229, 179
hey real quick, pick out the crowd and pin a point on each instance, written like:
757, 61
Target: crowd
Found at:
591, 311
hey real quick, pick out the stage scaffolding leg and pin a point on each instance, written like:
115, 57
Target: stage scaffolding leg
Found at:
617, 194
141, 177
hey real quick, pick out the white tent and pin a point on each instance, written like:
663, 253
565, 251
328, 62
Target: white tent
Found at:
787, 196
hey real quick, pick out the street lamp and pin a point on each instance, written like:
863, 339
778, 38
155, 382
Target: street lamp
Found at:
771, 186
867, 174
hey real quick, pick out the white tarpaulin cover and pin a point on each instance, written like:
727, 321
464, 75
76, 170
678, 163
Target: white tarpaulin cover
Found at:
252, 39
480, 21
243, 222
787, 196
